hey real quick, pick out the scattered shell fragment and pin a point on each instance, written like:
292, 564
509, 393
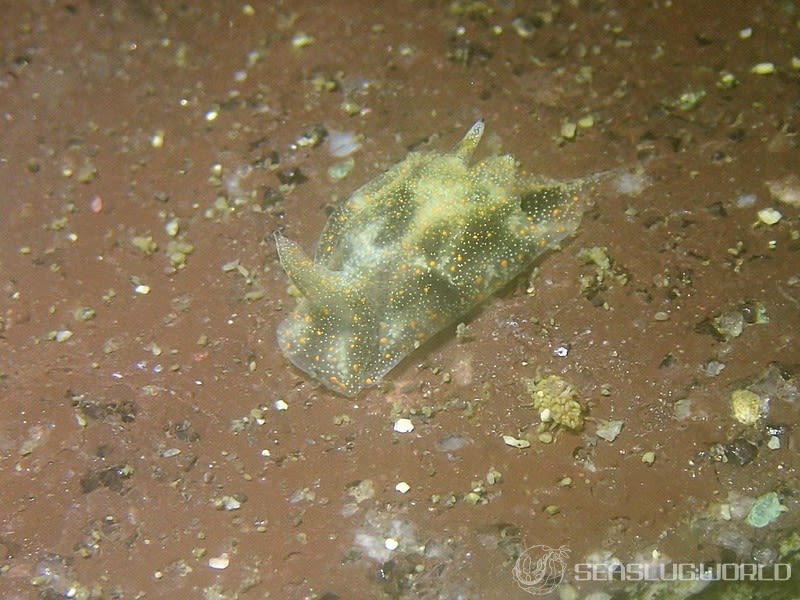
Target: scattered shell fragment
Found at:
362, 490
37, 435
232, 265
524, 28
786, 190
403, 426
631, 183
763, 68
452, 443
712, 368
178, 251
341, 169
172, 227
689, 99
62, 335
144, 244
769, 216
745, 200
219, 562
510, 440
311, 137
729, 325
84, 313
727, 80
402, 487
609, 430
230, 503
568, 130
157, 140
302, 39
342, 144
87, 172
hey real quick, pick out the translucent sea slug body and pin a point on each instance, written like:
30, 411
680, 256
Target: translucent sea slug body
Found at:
410, 252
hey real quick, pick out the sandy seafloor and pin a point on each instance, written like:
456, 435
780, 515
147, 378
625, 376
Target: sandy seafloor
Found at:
155, 443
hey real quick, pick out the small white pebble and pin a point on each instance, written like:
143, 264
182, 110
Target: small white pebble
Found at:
157, 141
142, 289
172, 227
231, 503
402, 487
219, 562
229, 266
774, 443
763, 68
391, 543
281, 405
403, 426
302, 39
62, 335
568, 130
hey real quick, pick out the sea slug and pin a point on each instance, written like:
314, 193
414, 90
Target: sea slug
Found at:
411, 252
